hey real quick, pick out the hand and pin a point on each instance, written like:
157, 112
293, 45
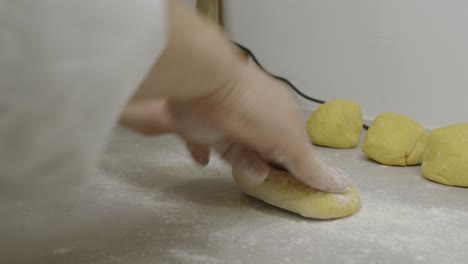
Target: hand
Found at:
253, 120
216, 99
150, 118
248, 122
153, 118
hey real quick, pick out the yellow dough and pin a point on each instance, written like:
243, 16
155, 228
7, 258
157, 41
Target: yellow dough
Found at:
336, 124
281, 190
445, 158
395, 139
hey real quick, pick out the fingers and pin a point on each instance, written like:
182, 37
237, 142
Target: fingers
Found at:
262, 122
251, 166
200, 153
315, 173
149, 118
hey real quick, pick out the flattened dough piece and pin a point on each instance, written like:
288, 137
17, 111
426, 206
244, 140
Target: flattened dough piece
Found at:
336, 124
395, 139
445, 158
281, 190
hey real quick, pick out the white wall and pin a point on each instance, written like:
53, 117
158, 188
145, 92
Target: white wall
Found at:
407, 56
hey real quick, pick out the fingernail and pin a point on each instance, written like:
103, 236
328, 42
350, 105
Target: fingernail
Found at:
343, 177
204, 159
255, 177
345, 180
340, 184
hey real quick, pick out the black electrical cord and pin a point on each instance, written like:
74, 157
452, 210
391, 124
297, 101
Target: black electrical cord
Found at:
286, 81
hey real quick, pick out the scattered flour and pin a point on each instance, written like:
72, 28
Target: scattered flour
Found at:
202, 218
184, 256
61, 251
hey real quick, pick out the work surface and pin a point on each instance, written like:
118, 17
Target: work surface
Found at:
151, 204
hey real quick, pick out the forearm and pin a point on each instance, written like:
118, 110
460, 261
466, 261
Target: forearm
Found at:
198, 59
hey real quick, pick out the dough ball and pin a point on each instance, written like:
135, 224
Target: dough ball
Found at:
445, 158
395, 139
281, 190
336, 124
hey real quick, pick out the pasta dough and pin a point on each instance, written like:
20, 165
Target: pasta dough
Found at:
281, 190
336, 124
395, 139
445, 158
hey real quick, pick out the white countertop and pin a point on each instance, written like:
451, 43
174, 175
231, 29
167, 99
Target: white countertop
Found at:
151, 204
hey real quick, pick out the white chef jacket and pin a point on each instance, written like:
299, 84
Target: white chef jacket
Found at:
67, 69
